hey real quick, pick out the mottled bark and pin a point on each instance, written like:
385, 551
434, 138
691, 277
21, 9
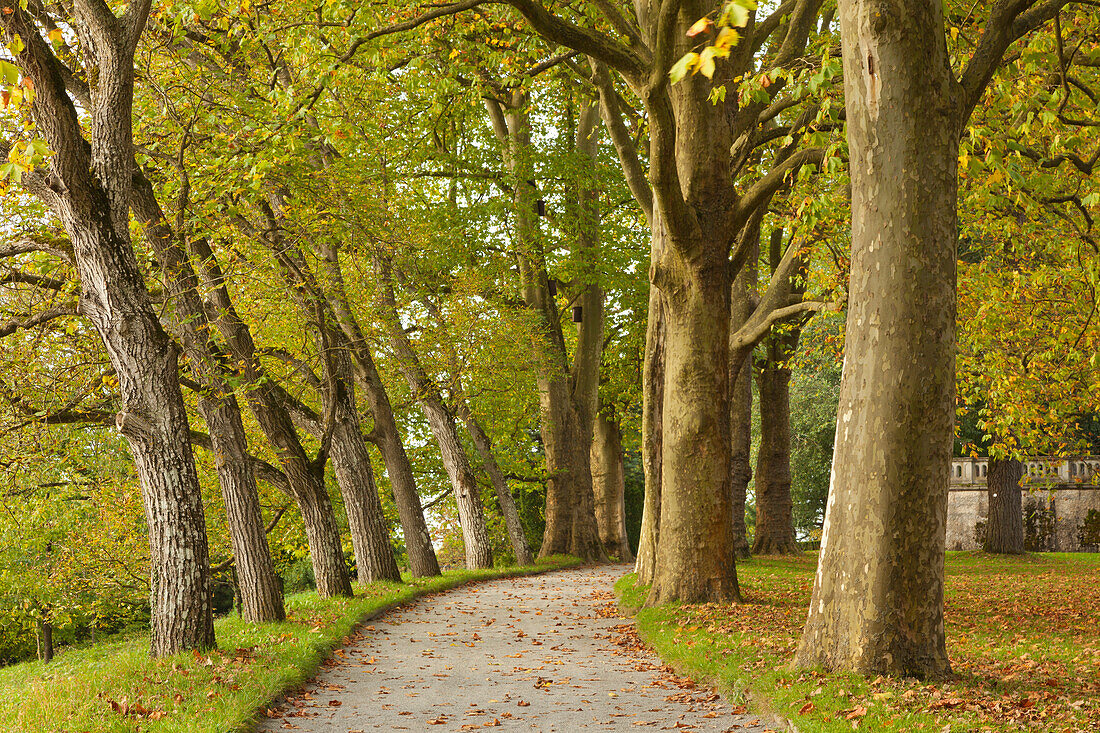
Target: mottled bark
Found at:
484, 444
471, 513
1004, 527
742, 304
695, 542
609, 486
774, 508
877, 604
88, 188
653, 391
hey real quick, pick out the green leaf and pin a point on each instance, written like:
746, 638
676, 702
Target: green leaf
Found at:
9, 71
681, 68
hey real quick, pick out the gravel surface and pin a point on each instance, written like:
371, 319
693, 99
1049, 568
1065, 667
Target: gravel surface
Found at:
546, 652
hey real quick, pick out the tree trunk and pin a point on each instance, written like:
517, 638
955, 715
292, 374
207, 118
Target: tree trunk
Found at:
520, 547
418, 542
653, 391
566, 396
740, 456
261, 597
877, 604
695, 546
306, 485
88, 188
1004, 527
742, 303
45, 640
471, 513
774, 508
370, 535
609, 486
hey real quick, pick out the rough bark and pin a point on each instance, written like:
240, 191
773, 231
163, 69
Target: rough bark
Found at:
340, 426
259, 591
609, 486
370, 535
264, 400
774, 508
484, 444
877, 604
471, 513
418, 542
89, 190
1004, 527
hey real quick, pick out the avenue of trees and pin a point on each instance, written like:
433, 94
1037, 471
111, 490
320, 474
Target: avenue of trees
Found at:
352, 288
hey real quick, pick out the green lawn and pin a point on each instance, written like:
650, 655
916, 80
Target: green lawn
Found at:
1023, 635
115, 687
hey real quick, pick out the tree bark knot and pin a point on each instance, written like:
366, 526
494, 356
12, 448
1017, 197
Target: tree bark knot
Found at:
133, 426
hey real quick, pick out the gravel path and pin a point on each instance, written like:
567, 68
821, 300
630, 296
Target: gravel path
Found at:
546, 653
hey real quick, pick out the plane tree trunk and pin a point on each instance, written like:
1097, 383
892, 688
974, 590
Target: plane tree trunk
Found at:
609, 485
566, 392
774, 508
877, 604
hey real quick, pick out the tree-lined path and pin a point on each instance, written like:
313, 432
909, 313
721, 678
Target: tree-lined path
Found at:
546, 653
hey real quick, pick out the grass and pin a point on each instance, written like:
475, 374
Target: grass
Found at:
1023, 635
115, 687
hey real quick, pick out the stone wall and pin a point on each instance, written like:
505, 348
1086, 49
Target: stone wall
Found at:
1058, 495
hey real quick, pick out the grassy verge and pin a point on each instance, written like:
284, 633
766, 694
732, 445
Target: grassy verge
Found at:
114, 687
1023, 635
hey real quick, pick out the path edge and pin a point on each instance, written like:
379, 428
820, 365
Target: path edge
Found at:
566, 563
757, 703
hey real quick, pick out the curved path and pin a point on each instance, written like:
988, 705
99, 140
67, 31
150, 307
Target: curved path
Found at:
546, 653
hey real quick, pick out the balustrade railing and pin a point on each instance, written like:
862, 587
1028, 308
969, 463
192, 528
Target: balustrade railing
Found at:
1038, 470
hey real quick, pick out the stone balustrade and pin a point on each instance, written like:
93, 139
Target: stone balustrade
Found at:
1038, 471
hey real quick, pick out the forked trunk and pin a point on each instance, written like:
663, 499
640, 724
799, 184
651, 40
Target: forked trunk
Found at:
609, 486
308, 489
1004, 526
877, 604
